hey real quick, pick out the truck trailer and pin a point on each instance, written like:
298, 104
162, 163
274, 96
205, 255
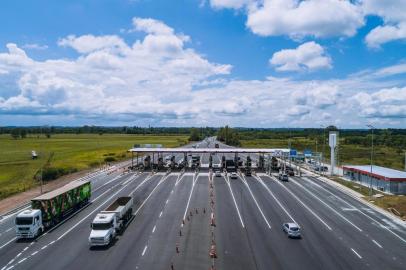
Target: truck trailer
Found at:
50, 208
111, 221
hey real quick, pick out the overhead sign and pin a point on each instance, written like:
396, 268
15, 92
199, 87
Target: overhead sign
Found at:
293, 152
148, 145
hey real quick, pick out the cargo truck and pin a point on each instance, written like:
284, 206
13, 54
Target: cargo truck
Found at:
108, 223
50, 208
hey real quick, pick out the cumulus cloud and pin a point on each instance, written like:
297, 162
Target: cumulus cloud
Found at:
35, 46
318, 18
394, 21
308, 56
90, 43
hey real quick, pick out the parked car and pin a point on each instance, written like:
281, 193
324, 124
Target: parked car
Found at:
292, 230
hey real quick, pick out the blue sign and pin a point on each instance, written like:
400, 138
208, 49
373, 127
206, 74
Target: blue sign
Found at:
293, 153
307, 153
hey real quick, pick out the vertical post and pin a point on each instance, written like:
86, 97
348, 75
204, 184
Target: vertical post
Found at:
372, 153
132, 160
41, 180
405, 161
324, 144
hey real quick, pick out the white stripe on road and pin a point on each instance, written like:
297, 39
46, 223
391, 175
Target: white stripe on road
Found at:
139, 208
276, 199
153, 230
376, 243
145, 249
356, 253
383, 226
328, 206
190, 195
8, 242
160, 214
302, 203
255, 200
235, 202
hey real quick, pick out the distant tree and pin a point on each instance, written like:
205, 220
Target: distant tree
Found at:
48, 135
15, 133
23, 133
194, 135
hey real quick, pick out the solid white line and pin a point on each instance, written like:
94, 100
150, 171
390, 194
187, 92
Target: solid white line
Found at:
235, 202
190, 195
381, 225
376, 243
22, 260
253, 197
153, 230
8, 242
9, 229
331, 208
145, 249
356, 253
302, 203
35, 252
139, 208
44, 247
167, 201
160, 214
276, 199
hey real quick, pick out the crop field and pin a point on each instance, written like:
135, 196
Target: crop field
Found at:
65, 153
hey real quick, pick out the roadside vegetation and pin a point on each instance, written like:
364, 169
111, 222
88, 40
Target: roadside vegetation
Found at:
60, 154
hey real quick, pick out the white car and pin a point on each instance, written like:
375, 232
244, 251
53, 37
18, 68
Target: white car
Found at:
217, 173
292, 229
233, 175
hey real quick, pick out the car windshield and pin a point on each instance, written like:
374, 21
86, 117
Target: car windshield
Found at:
101, 226
295, 229
24, 220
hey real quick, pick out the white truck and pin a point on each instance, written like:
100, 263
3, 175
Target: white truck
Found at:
111, 221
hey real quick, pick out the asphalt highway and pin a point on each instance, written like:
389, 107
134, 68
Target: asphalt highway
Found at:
173, 226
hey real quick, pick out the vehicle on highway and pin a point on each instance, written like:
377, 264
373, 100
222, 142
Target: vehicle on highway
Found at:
233, 175
217, 173
292, 230
290, 171
283, 176
108, 223
216, 145
50, 208
247, 172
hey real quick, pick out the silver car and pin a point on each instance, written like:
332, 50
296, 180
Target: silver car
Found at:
233, 175
292, 229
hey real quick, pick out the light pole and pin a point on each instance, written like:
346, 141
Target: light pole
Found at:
324, 145
372, 153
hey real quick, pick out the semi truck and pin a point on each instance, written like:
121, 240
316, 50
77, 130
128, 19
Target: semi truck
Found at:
50, 208
111, 221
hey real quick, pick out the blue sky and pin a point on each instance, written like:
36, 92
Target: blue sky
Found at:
268, 63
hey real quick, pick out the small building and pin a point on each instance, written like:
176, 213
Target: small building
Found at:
381, 178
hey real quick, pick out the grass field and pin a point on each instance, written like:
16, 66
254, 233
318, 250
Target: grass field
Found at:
348, 153
65, 153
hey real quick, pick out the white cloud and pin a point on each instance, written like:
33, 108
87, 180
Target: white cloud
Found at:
308, 56
391, 70
90, 43
35, 46
318, 18
394, 17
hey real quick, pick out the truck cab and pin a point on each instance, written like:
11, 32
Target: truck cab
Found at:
103, 229
28, 224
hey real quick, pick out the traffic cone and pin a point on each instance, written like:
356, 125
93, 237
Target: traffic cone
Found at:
213, 253
212, 223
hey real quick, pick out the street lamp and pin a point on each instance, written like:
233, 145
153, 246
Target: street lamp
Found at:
324, 145
372, 153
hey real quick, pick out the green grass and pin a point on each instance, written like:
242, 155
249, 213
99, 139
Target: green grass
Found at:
65, 152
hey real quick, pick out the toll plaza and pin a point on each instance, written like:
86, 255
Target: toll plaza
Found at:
197, 158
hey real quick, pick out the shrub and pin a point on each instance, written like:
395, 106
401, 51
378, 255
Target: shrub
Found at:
109, 159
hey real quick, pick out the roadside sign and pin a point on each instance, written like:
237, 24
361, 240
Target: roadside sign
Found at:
307, 153
293, 153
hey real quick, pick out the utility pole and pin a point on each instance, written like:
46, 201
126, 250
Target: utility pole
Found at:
372, 153
324, 145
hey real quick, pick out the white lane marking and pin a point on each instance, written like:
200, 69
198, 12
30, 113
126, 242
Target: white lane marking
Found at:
153, 230
235, 202
356, 253
35, 252
9, 229
145, 249
376, 243
190, 195
160, 214
276, 199
139, 208
328, 206
25, 248
255, 200
13, 239
167, 201
302, 203
22, 260
44, 247
366, 209
19, 254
